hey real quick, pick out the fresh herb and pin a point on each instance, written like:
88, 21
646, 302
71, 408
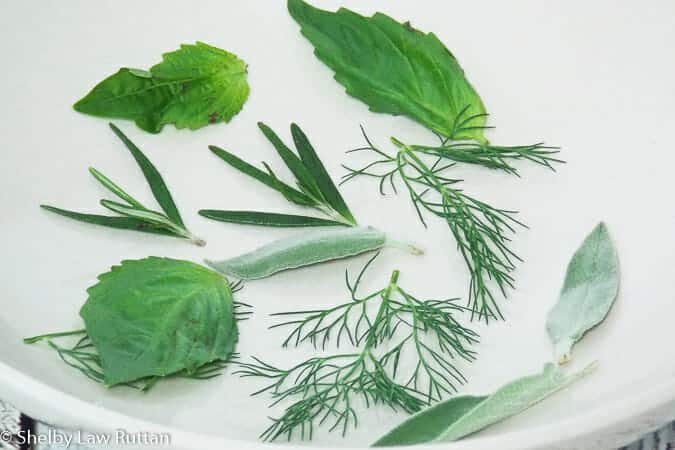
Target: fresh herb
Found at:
482, 232
300, 251
315, 188
193, 86
152, 318
394, 69
588, 293
135, 216
464, 415
398, 70
385, 327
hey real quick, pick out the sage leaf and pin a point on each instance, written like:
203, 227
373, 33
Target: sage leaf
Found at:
126, 223
590, 288
394, 69
153, 177
196, 85
314, 165
461, 416
301, 250
157, 317
267, 219
268, 179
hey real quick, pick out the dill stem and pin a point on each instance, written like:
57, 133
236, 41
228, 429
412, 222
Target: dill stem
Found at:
34, 339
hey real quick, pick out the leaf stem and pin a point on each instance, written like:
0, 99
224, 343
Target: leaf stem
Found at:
34, 339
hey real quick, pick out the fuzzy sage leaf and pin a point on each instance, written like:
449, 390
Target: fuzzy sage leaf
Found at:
302, 250
464, 415
193, 86
135, 216
590, 288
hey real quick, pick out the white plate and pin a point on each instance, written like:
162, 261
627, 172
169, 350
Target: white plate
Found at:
593, 77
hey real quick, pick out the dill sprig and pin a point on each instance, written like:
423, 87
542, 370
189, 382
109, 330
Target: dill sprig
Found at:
482, 232
387, 327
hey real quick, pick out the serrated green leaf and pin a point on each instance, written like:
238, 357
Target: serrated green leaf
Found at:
159, 316
267, 219
153, 177
591, 286
268, 179
394, 69
125, 223
114, 188
193, 86
303, 176
316, 168
464, 415
209, 85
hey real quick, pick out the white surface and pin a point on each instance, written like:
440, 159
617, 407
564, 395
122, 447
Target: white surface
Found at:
593, 77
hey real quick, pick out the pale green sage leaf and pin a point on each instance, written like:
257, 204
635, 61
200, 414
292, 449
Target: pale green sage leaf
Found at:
590, 288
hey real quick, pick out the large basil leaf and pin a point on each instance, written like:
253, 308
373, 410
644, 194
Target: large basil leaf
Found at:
463, 415
588, 293
158, 316
394, 69
192, 87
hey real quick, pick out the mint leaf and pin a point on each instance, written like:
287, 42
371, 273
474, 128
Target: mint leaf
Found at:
192, 87
157, 317
394, 69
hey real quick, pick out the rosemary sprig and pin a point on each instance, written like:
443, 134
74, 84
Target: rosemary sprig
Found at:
314, 187
386, 327
133, 214
482, 231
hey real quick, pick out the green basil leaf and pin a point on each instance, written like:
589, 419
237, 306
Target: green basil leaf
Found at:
394, 69
267, 219
157, 317
192, 87
125, 223
125, 95
209, 85
465, 415
268, 179
303, 176
315, 167
591, 286
153, 177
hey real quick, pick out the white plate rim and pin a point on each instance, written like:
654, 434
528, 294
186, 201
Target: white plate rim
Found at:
613, 423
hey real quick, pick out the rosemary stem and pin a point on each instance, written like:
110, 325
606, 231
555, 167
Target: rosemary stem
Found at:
193, 239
